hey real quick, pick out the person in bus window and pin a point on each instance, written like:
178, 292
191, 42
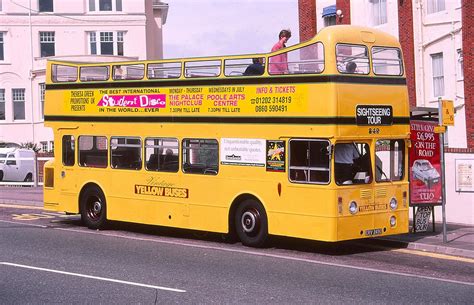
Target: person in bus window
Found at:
279, 63
351, 67
118, 72
256, 68
344, 156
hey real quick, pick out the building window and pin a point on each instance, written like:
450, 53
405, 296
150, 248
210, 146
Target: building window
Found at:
41, 98
49, 147
47, 44
105, 5
379, 9
0, 5
438, 74
2, 43
93, 42
329, 20
2, 104
434, 6
18, 104
44, 146
111, 43
329, 15
120, 43
45, 5
107, 43
460, 65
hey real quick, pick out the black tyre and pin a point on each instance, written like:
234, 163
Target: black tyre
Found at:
28, 178
93, 208
251, 224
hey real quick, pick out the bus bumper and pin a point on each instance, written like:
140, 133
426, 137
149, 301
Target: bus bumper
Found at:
372, 225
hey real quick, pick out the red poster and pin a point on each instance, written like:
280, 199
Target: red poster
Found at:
425, 167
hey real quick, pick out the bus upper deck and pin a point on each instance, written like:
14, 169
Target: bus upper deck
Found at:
328, 81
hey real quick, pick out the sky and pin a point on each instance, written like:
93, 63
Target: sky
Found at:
196, 28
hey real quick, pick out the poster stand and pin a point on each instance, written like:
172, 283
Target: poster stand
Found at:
426, 211
425, 124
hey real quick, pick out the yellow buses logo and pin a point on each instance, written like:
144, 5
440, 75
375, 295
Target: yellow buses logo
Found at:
161, 191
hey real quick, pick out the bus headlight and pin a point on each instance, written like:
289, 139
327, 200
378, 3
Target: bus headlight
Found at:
393, 221
393, 203
353, 207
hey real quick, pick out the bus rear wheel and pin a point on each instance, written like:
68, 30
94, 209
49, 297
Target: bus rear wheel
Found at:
251, 224
93, 208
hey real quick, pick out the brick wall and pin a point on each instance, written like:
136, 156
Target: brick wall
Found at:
307, 19
405, 29
41, 163
345, 7
468, 55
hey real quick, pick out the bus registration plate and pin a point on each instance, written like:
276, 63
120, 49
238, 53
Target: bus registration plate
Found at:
373, 232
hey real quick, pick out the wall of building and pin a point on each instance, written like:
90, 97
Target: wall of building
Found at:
432, 33
441, 33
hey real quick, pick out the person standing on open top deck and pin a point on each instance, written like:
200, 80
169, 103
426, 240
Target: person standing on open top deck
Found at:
279, 63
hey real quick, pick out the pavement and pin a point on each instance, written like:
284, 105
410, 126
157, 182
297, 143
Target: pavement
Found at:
459, 241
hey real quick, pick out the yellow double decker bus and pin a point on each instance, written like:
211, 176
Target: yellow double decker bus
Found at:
316, 150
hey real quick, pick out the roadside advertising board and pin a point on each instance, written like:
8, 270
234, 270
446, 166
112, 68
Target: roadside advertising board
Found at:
425, 167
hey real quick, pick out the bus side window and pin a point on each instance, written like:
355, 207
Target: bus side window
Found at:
244, 66
352, 59
200, 156
309, 161
164, 70
93, 151
161, 154
202, 68
94, 73
126, 153
68, 150
136, 72
305, 60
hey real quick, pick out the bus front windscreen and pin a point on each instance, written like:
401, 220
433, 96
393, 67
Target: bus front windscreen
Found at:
352, 163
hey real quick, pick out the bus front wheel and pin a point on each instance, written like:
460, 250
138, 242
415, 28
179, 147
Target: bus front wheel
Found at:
93, 208
251, 223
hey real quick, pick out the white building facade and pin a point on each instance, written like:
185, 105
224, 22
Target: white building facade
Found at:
32, 31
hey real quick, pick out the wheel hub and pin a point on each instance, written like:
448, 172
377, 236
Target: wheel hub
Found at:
97, 207
250, 220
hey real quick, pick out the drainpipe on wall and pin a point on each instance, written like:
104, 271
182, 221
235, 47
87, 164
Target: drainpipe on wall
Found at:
31, 76
419, 8
453, 38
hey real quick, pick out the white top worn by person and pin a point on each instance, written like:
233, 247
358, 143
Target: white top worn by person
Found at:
345, 153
